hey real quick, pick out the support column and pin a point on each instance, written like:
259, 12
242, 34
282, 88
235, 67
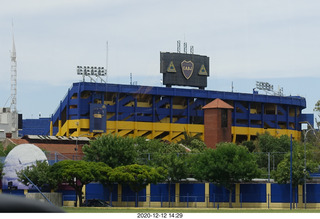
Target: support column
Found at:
237, 193
207, 194
68, 128
300, 196
177, 198
148, 192
119, 193
268, 194
84, 192
51, 128
78, 127
59, 128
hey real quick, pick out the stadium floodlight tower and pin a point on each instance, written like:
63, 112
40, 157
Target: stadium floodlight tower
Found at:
92, 72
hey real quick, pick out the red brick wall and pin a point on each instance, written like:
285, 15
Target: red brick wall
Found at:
213, 132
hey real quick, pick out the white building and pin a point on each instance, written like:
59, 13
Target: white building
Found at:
8, 123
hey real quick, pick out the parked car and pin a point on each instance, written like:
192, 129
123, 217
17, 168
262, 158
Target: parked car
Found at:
96, 203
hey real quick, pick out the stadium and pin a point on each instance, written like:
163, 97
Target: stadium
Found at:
92, 108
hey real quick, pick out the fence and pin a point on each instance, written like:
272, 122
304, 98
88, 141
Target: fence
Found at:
193, 202
207, 195
197, 195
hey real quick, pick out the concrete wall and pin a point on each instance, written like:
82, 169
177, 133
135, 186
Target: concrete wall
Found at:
55, 198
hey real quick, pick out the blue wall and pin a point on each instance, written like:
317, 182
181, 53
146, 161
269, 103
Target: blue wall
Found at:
160, 192
220, 194
129, 195
19, 192
281, 193
194, 192
253, 192
313, 193
39, 126
98, 191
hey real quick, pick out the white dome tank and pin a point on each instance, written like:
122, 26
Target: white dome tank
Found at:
19, 158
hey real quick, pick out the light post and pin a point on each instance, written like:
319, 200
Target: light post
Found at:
305, 161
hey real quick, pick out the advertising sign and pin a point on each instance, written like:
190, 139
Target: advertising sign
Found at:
98, 118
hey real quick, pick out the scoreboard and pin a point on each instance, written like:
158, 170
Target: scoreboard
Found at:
184, 69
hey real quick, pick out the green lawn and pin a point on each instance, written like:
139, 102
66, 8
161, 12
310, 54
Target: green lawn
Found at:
182, 210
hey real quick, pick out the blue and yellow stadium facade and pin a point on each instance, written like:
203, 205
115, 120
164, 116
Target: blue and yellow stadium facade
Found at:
166, 113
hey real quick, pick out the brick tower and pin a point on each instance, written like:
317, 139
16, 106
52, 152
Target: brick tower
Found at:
217, 122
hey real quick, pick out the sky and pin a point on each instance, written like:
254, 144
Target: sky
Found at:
274, 41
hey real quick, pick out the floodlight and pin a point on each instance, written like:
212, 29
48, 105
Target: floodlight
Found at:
91, 71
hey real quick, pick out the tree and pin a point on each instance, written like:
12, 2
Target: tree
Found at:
112, 150
40, 174
102, 172
75, 173
268, 145
197, 145
152, 152
4, 151
137, 176
193, 142
177, 169
282, 174
225, 166
249, 145
1, 170
171, 156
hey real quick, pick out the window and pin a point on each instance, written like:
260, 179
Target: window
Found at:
224, 118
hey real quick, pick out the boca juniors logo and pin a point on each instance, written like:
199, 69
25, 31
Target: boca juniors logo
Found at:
187, 68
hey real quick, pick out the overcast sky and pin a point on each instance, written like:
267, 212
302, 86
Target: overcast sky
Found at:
276, 41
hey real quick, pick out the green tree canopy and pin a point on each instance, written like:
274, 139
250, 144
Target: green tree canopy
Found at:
75, 173
268, 143
282, 173
177, 167
269, 147
225, 166
112, 150
152, 152
138, 176
4, 151
171, 156
40, 174
193, 142
102, 172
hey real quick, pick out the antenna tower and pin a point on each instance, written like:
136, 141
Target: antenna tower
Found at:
107, 57
13, 105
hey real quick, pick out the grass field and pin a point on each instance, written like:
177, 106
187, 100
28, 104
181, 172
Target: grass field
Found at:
183, 210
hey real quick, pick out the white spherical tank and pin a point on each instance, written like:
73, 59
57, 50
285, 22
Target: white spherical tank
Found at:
19, 158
